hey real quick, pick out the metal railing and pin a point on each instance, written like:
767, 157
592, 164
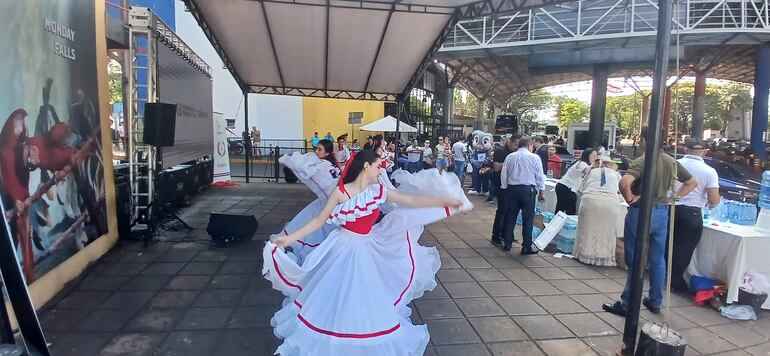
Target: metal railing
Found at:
607, 19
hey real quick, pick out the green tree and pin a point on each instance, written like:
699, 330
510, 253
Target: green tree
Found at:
570, 110
115, 75
625, 111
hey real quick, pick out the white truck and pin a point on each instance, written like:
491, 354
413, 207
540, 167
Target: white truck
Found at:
578, 138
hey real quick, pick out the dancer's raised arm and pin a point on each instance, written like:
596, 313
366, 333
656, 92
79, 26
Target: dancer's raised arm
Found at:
316, 223
422, 201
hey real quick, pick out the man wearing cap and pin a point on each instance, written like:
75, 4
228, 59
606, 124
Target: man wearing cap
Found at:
667, 168
688, 220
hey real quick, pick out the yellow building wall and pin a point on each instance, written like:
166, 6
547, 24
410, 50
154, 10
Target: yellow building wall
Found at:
323, 115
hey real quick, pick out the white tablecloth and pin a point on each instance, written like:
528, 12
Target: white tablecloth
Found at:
550, 195
727, 251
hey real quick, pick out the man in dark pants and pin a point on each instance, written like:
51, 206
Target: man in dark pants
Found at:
688, 221
523, 180
498, 158
667, 168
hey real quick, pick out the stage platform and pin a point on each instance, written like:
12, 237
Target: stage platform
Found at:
178, 297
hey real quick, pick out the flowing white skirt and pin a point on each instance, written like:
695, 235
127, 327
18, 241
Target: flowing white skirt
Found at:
350, 295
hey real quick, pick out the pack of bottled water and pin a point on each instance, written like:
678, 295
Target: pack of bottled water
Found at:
736, 212
565, 241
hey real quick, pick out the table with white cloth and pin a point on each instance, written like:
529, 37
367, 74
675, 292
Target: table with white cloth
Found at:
727, 251
550, 195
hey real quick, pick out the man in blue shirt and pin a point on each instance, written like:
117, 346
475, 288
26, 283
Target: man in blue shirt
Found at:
314, 140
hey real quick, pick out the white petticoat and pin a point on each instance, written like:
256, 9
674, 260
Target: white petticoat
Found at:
350, 295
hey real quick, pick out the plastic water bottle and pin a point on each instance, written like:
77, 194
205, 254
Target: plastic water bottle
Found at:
764, 192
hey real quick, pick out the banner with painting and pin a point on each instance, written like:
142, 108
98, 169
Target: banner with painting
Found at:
51, 166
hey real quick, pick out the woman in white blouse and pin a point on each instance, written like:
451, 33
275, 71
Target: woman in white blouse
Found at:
600, 211
567, 187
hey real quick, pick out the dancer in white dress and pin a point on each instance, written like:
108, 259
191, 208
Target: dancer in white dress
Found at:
350, 295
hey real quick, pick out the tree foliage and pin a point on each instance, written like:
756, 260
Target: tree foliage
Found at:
625, 111
115, 82
528, 105
570, 110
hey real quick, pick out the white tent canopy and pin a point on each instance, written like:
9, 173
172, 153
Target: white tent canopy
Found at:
355, 49
388, 124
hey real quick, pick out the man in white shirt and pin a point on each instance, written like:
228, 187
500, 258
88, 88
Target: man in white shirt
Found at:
427, 155
688, 221
341, 151
414, 157
459, 150
522, 179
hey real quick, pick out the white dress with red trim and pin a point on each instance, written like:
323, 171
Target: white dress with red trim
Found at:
350, 296
321, 176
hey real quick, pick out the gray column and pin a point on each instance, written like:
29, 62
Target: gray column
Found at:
448, 110
645, 109
598, 105
480, 114
699, 106
759, 109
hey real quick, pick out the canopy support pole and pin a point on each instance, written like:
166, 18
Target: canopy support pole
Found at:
651, 152
247, 150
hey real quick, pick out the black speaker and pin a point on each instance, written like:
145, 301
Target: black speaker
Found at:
159, 124
225, 229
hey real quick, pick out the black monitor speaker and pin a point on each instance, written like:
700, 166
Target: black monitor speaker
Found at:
226, 229
159, 124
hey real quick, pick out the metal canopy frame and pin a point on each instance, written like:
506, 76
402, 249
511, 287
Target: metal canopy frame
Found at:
466, 10
482, 49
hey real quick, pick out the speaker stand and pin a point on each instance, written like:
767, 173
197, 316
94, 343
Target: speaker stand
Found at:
270, 163
163, 211
156, 210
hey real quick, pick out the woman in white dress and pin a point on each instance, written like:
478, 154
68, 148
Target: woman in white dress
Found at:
351, 294
598, 215
319, 172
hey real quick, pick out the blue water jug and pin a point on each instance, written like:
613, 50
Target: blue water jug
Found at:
764, 192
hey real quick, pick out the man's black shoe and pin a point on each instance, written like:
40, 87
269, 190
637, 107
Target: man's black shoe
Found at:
616, 308
648, 304
529, 252
506, 248
496, 242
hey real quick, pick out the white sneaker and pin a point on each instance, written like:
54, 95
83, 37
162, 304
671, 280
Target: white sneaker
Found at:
486, 194
473, 192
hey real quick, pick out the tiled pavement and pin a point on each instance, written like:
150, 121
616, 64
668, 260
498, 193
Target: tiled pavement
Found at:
178, 297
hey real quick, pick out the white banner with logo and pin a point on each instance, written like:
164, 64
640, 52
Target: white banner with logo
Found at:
221, 156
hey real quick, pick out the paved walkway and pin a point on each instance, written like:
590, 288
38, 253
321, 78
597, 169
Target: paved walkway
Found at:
178, 297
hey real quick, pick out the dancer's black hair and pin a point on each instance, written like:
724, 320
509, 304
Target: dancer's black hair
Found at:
329, 149
357, 165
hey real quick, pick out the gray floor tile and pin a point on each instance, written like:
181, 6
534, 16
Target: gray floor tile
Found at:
759, 350
190, 343
453, 275
520, 306
127, 299
504, 262
77, 343
247, 267
251, 317
572, 286
152, 283
586, 325
518, 348
605, 345
473, 262
155, 320
477, 307
498, 329
130, 344
204, 318
701, 316
164, 268
102, 283
704, 341
559, 304
465, 290
605, 285
120, 269
462, 350
592, 302
574, 347
551, 273
584, 272
218, 298
83, 299
502, 289
447, 262
261, 296
542, 327
617, 322
520, 274
486, 274
462, 252
62, 319
451, 331
536, 288
207, 268
533, 261
229, 281
173, 299
438, 309
105, 319
437, 293
188, 282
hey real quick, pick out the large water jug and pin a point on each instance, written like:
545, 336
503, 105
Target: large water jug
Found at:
764, 193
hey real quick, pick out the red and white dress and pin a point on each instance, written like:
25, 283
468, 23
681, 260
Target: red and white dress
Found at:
350, 296
321, 176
